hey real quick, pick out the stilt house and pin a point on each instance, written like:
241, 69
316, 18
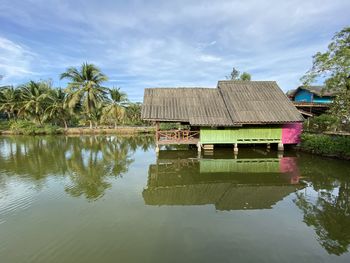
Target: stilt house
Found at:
236, 112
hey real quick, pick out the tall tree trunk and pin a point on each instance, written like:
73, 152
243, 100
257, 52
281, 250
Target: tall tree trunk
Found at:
115, 124
65, 124
90, 124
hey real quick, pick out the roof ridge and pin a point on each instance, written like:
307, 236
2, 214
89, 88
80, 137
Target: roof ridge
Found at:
245, 81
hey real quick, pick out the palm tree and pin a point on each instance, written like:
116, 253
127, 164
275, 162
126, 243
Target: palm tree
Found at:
57, 109
133, 112
34, 100
85, 88
9, 101
115, 109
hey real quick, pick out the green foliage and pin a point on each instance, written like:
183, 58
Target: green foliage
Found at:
9, 97
133, 114
334, 66
34, 100
327, 145
30, 128
322, 123
172, 126
4, 125
85, 89
235, 75
84, 101
114, 110
245, 76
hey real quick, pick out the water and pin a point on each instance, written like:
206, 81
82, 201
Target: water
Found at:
110, 199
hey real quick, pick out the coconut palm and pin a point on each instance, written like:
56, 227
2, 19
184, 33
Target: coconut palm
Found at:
133, 112
34, 100
56, 109
9, 101
115, 108
85, 88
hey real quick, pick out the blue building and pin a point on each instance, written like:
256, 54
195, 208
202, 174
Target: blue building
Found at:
312, 94
312, 100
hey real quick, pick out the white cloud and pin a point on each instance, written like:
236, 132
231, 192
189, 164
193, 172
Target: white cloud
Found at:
15, 60
170, 43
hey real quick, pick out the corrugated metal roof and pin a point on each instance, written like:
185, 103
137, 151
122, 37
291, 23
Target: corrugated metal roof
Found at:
198, 106
231, 103
255, 102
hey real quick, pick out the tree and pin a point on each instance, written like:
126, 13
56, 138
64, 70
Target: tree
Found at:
33, 100
235, 75
9, 97
245, 76
85, 88
115, 108
57, 109
133, 113
334, 66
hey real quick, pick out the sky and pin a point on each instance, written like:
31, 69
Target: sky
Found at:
141, 44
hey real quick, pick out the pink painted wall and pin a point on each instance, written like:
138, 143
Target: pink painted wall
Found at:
289, 167
291, 133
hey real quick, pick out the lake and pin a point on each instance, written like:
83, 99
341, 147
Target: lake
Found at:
112, 199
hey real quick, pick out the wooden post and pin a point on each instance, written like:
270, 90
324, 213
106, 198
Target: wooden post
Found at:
157, 131
235, 148
280, 147
199, 147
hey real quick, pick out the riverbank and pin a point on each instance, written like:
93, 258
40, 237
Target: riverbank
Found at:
81, 130
329, 145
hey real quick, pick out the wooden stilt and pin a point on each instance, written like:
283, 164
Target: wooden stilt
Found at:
280, 147
199, 147
235, 148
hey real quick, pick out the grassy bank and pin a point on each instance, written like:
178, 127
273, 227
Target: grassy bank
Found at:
29, 128
326, 145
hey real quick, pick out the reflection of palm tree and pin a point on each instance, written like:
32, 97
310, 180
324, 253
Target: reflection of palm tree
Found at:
93, 160
88, 161
330, 217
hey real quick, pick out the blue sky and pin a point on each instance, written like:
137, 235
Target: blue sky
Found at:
141, 44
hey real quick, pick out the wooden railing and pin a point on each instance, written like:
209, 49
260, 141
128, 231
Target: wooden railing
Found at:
177, 136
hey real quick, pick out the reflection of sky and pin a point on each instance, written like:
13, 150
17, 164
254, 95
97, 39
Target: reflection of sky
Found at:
312, 195
87, 154
6, 149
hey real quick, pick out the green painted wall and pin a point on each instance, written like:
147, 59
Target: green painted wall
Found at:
240, 166
241, 135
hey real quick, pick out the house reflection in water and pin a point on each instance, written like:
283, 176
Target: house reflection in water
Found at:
253, 181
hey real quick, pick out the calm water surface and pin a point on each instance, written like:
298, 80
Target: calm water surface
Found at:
111, 199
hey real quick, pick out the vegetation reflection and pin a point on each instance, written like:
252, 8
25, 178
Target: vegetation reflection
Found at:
326, 203
88, 161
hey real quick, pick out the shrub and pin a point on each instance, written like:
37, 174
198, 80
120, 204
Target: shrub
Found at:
29, 128
172, 126
327, 145
322, 123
